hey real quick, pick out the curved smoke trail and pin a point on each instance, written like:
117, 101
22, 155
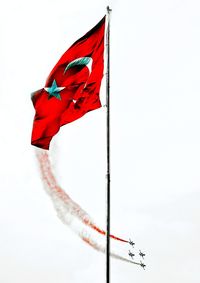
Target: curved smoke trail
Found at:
68, 211
75, 209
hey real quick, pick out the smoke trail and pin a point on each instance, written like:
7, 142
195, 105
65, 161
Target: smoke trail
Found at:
68, 211
73, 207
70, 220
99, 248
66, 218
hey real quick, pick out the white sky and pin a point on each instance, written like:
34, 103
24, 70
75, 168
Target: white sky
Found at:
155, 99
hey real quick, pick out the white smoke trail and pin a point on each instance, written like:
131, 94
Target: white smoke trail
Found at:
52, 186
68, 211
68, 219
54, 190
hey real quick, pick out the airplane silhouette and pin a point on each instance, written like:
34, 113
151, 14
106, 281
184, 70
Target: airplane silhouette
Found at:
131, 254
141, 254
142, 265
131, 242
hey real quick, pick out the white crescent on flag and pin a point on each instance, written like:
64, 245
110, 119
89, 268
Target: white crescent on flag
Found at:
82, 61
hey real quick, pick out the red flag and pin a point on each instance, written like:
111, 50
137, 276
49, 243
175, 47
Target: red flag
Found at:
72, 88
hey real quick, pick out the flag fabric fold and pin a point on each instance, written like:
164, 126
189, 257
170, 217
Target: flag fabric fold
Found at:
72, 88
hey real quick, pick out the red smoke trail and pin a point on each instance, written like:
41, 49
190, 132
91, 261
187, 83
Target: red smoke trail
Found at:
68, 211
104, 233
75, 209
94, 245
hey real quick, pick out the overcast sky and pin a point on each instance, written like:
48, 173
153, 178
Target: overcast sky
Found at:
155, 142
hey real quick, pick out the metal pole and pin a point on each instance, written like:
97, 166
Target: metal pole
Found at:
108, 148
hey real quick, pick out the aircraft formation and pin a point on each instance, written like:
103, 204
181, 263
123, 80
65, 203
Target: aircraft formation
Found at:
141, 254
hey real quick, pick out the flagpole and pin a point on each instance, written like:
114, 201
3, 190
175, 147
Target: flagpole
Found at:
108, 148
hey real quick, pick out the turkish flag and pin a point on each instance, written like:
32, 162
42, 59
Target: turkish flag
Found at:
72, 88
